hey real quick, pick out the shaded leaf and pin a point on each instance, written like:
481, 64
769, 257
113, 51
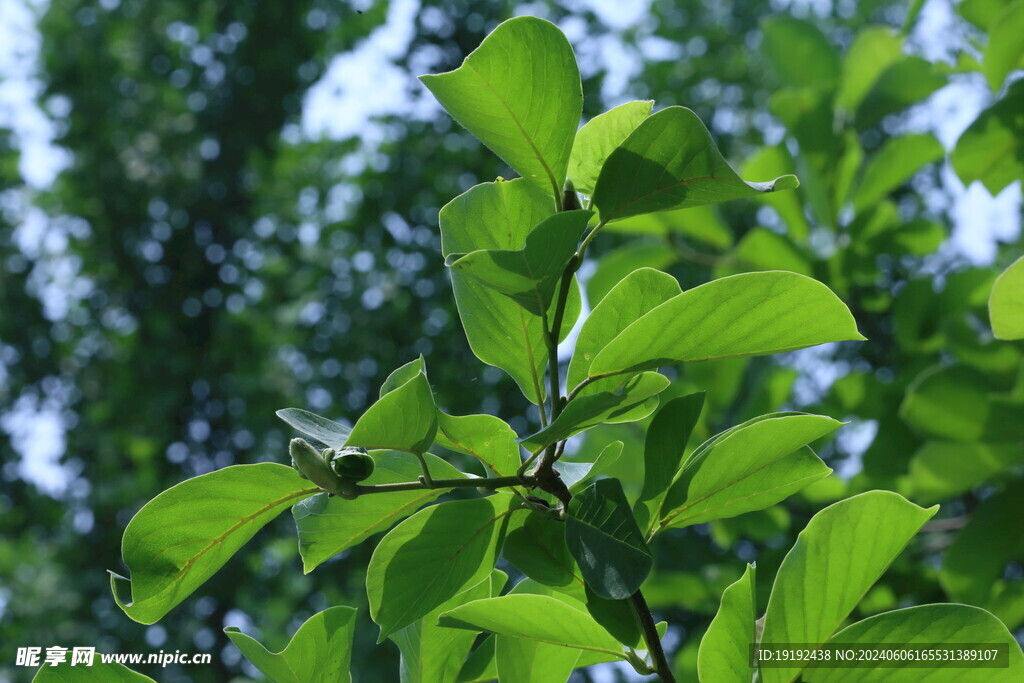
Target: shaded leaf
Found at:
894, 164
328, 525
940, 470
906, 81
520, 93
537, 548
838, 556
599, 137
183, 536
604, 538
529, 276
1005, 51
671, 162
319, 652
800, 54
724, 653
992, 148
742, 315
431, 557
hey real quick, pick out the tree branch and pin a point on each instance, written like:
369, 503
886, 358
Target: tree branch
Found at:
661, 665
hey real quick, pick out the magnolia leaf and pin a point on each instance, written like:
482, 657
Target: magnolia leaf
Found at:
402, 375
1005, 51
873, 50
724, 653
664, 446
596, 140
529, 276
671, 162
485, 437
405, 419
838, 556
1006, 305
183, 536
619, 263
604, 538
433, 556
520, 94
929, 625
637, 294
800, 54
741, 315
319, 652
328, 525
612, 399
894, 164
327, 432
747, 469
992, 148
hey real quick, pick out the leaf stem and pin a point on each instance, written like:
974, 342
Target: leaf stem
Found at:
661, 665
485, 482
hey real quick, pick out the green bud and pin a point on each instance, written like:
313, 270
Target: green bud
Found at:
351, 463
308, 461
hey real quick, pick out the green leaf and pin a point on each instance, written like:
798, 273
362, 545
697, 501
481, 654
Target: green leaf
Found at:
319, 652
432, 654
724, 654
327, 432
520, 93
992, 148
485, 437
841, 553
1006, 304
671, 162
742, 315
1005, 51
431, 557
535, 617
183, 536
403, 420
941, 470
596, 140
800, 54
529, 275
894, 164
612, 399
617, 264
762, 249
606, 459
99, 672
748, 468
974, 565
699, 223
925, 624
906, 81
664, 447
537, 548
501, 333
402, 375
604, 538
327, 525
981, 13
957, 403
873, 51
774, 161
638, 293
481, 665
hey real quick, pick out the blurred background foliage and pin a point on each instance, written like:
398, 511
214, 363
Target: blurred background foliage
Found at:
245, 218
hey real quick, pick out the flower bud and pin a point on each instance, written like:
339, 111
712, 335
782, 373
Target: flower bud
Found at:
310, 463
351, 463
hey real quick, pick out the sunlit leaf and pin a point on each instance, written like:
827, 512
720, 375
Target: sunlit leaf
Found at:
1006, 305
405, 419
1005, 51
800, 54
725, 648
485, 437
893, 164
596, 140
327, 432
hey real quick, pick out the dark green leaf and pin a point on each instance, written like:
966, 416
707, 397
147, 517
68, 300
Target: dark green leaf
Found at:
319, 652
940, 470
604, 538
894, 164
520, 93
537, 548
906, 81
529, 275
671, 162
742, 315
800, 54
328, 525
183, 536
